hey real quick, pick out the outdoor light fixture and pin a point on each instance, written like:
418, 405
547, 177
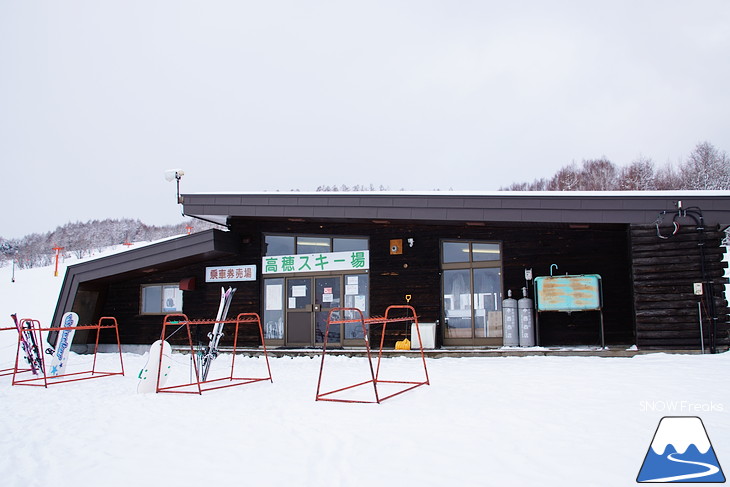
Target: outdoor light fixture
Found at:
175, 174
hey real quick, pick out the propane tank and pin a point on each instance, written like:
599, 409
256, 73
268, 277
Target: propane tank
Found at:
526, 321
509, 321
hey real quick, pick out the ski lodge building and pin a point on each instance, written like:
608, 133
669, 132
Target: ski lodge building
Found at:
654, 259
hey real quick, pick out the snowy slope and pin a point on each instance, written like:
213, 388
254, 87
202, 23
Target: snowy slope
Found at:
482, 421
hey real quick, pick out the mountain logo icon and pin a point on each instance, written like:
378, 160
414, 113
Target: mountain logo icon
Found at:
681, 452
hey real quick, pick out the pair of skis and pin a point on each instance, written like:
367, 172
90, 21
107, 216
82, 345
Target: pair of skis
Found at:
28, 344
211, 351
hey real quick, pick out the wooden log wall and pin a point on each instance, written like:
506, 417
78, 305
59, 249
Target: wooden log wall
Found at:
664, 271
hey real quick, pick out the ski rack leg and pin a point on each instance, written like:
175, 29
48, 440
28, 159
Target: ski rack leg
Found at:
182, 320
36, 329
11, 370
321, 396
263, 344
115, 326
251, 317
411, 316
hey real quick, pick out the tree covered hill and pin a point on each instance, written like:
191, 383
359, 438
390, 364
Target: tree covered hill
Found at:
83, 239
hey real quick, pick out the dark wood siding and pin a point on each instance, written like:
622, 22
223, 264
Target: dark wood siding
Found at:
664, 271
123, 298
587, 249
659, 298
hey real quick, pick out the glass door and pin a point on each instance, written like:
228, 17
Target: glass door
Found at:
457, 303
296, 309
472, 292
328, 295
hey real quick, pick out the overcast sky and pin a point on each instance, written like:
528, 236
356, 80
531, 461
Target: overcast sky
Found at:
98, 98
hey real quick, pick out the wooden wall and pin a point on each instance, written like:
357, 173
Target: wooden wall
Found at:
601, 249
596, 249
123, 298
664, 271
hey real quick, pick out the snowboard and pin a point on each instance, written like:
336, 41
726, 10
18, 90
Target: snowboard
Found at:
62, 349
29, 345
211, 351
148, 375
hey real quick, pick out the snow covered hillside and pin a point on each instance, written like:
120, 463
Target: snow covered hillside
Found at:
562, 421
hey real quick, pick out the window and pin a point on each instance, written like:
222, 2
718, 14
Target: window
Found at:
313, 245
274, 309
455, 252
347, 244
278, 245
472, 292
299, 244
161, 299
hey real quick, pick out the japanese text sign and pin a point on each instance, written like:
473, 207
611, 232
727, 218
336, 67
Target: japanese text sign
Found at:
322, 262
230, 273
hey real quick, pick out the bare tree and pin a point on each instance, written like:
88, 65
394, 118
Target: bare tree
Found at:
638, 176
706, 168
598, 175
566, 179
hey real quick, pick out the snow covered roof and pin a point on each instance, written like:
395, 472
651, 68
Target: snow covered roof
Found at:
143, 260
625, 207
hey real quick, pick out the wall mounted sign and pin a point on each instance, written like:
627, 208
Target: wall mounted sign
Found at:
230, 273
322, 262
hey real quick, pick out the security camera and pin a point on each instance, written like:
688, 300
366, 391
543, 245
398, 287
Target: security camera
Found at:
172, 174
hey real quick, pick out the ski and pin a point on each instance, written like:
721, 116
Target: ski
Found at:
211, 351
29, 345
63, 345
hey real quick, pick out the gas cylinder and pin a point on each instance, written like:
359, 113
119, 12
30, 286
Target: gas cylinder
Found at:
510, 328
526, 320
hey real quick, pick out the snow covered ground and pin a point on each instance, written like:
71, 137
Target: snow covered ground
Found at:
483, 421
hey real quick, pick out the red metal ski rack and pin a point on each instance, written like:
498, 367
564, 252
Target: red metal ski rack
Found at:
11, 370
181, 320
374, 373
43, 380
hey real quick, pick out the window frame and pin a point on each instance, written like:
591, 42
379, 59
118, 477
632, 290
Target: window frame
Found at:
471, 264
297, 246
162, 287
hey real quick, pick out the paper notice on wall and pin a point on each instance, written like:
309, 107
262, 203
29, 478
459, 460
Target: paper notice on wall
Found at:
360, 303
351, 289
273, 297
298, 291
327, 298
292, 303
352, 279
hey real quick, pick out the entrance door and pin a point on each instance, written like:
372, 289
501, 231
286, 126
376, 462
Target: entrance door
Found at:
299, 308
309, 301
327, 296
